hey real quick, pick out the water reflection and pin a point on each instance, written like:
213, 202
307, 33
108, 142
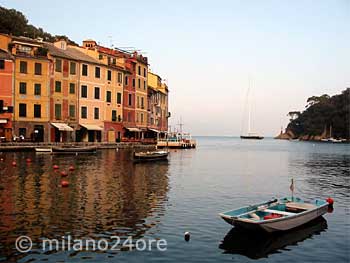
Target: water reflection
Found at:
108, 195
260, 245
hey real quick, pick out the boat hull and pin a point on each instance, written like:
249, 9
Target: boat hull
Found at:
74, 149
279, 223
144, 157
252, 137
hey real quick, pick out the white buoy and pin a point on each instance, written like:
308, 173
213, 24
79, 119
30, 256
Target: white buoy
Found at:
187, 236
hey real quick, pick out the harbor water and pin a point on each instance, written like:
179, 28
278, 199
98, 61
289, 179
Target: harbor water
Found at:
108, 195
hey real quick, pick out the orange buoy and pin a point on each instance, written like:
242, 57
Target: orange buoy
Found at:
14, 163
64, 173
71, 168
64, 183
55, 167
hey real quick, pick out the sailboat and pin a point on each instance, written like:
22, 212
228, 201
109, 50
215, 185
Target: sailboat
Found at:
250, 134
330, 138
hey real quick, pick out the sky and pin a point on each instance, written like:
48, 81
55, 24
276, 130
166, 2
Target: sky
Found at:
211, 52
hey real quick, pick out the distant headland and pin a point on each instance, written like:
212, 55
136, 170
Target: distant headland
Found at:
324, 118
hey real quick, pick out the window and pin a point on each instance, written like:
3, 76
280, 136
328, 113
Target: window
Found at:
139, 70
141, 117
130, 100
97, 72
142, 103
138, 102
114, 115
37, 89
100, 56
144, 84
72, 111
84, 91
96, 113
144, 72
139, 83
37, 111
119, 98
120, 77
2, 64
22, 88
108, 96
58, 109
23, 67
133, 83
71, 88
114, 61
72, 68
97, 93
84, 70
109, 75
58, 65
126, 80
57, 86
37, 69
83, 112
22, 110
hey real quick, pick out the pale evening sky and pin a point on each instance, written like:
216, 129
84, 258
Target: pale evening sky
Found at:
207, 50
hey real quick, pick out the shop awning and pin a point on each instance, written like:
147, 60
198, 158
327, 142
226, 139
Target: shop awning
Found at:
92, 127
134, 129
62, 126
154, 130
3, 121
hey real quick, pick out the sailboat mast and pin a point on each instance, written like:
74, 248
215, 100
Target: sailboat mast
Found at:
249, 108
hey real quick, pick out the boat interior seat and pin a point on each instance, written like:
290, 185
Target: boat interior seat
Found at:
299, 206
272, 211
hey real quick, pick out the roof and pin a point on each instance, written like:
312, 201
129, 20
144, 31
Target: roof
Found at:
5, 55
70, 53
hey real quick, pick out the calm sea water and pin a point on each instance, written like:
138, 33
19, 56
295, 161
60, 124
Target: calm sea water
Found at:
109, 195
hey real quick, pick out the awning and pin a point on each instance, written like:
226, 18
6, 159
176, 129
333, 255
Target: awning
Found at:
62, 126
3, 121
133, 129
154, 130
92, 127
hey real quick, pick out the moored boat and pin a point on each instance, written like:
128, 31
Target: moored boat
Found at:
43, 150
74, 149
150, 156
276, 215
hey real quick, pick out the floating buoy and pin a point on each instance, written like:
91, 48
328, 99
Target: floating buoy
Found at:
64, 173
330, 202
14, 163
28, 160
187, 236
64, 184
55, 167
71, 168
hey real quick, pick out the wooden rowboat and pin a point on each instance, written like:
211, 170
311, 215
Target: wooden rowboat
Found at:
74, 149
151, 156
276, 215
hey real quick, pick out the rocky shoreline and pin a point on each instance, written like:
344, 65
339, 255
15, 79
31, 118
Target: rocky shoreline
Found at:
289, 135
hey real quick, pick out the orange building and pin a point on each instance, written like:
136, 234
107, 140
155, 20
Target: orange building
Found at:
6, 89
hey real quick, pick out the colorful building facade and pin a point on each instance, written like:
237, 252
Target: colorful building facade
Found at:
6, 92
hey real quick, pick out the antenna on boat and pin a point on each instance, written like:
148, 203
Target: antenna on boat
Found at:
292, 188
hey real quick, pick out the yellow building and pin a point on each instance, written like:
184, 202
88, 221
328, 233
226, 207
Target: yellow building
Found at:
31, 100
140, 84
63, 92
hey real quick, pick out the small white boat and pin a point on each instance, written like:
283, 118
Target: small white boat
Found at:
43, 150
276, 215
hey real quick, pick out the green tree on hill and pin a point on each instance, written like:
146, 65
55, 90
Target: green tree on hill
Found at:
322, 113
